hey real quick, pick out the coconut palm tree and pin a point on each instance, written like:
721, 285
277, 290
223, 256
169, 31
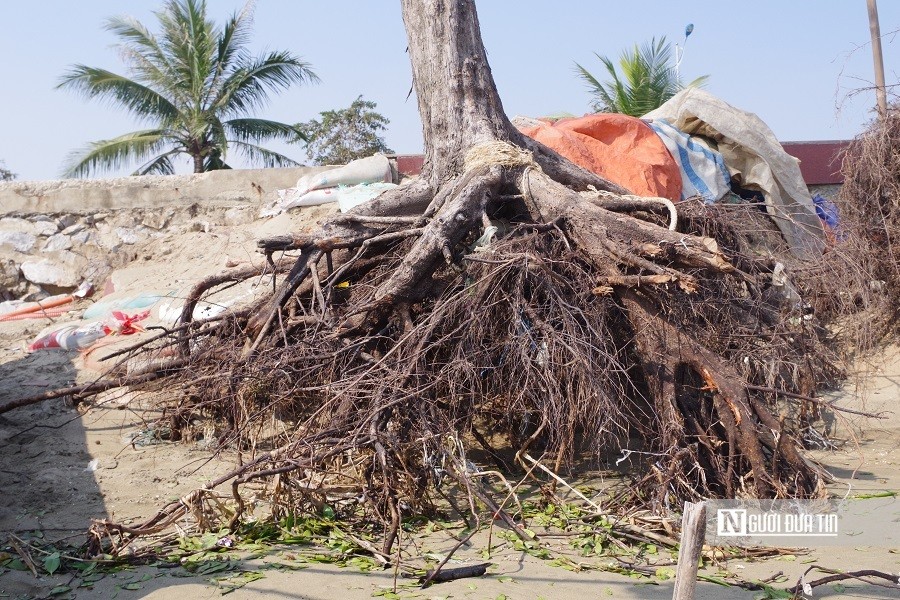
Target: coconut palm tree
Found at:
648, 79
196, 85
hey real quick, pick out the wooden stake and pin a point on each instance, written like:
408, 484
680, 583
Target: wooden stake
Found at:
693, 532
875, 31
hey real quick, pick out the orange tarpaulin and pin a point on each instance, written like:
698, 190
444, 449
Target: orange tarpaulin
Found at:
620, 148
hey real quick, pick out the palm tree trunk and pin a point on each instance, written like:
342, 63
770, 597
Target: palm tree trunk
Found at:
198, 163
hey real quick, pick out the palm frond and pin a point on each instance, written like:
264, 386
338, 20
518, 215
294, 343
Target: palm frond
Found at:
188, 39
140, 100
133, 33
261, 156
616, 95
112, 154
699, 82
142, 52
248, 87
643, 80
593, 84
231, 45
161, 165
260, 130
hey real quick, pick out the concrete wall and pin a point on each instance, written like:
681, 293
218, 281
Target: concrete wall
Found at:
87, 196
55, 234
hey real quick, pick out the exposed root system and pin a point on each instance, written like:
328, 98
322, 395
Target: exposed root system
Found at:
396, 348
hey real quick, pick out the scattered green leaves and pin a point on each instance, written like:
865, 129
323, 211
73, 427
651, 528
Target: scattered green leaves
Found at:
231, 583
709, 578
770, 593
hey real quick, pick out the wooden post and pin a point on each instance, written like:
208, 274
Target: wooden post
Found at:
875, 32
693, 532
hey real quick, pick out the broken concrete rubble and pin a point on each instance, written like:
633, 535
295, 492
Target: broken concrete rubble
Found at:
61, 270
20, 241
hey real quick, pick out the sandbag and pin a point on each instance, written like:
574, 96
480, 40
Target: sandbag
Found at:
617, 147
347, 197
321, 188
376, 168
755, 160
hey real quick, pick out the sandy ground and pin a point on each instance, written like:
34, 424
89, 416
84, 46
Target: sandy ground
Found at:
61, 467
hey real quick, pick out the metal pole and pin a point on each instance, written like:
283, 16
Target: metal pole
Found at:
875, 31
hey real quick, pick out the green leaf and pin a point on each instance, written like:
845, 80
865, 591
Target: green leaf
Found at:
132, 586
234, 582
86, 568
711, 579
886, 494
664, 573
505, 579
214, 566
770, 593
60, 589
328, 512
16, 564
51, 563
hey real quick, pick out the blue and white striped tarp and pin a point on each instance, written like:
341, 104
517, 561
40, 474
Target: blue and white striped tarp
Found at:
703, 170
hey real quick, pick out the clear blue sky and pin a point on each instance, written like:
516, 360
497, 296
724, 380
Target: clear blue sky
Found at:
795, 63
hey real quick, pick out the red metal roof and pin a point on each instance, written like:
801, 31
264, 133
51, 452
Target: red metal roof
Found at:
410, 164
820, 161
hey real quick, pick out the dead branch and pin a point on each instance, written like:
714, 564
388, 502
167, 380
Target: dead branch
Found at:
861, 575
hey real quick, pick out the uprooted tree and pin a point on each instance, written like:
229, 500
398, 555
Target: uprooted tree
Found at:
504, 298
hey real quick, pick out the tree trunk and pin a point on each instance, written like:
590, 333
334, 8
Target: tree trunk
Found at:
458, 101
